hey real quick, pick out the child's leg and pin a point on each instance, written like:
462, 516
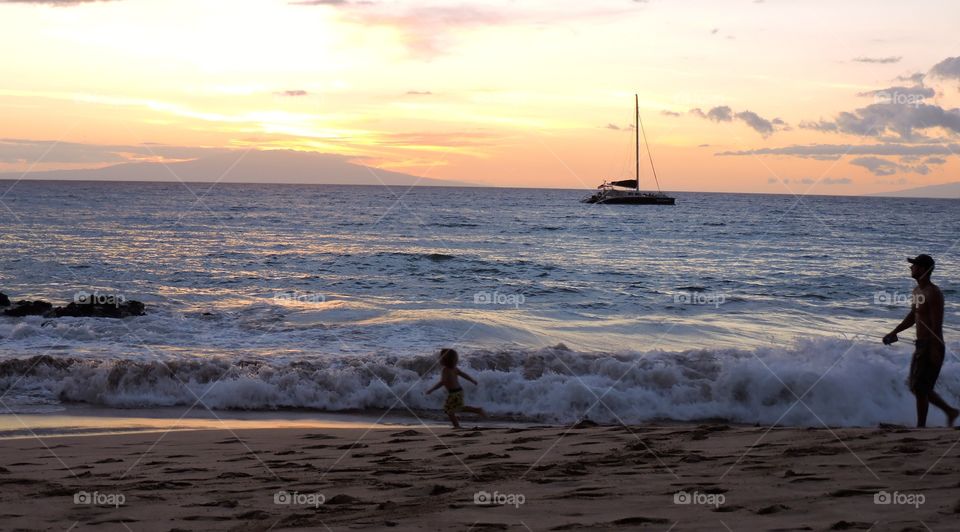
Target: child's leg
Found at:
453, 419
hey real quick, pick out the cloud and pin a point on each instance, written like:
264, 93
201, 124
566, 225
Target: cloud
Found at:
296, 92
873, 157
902, 95
419, 93
881, 60
323, 3
900, 112
426, 31
839, 150
904, 120
821, 125
720, 113
876, 165
758, 123
24, 151
56, 3
669, 113
836, 181
431, 30
723, 113
615, 127
949, 68
446, 139
915, 78
811, 181
885, 167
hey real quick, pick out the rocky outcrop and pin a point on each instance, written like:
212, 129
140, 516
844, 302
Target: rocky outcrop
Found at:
22, 308
95, 310
29, 308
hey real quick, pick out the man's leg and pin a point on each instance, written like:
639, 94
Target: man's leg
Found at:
923, 404
947, 409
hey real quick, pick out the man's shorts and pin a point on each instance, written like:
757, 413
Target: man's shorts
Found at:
925, 367
454, 401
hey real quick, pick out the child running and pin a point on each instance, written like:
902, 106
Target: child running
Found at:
449, 379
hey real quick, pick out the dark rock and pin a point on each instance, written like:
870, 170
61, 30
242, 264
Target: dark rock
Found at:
98, 310
4, 300
123, 309
28, 308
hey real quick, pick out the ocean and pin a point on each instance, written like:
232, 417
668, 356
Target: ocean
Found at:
741, 307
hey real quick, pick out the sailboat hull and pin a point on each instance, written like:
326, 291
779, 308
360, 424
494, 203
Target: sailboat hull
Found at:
637, 201
629, 197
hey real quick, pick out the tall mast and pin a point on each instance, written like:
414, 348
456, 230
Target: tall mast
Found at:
636, 132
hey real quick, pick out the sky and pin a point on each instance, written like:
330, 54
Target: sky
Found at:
778, 96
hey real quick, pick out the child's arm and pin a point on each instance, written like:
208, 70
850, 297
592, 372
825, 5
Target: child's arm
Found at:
434, 387
468, 377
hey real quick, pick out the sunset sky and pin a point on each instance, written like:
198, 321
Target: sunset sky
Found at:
798, 96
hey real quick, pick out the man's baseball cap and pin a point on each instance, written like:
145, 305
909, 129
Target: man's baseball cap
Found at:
924, 261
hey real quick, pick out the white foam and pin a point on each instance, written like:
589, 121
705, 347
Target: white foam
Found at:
831, 382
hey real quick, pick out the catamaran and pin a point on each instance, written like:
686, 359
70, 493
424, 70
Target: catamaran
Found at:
627, 191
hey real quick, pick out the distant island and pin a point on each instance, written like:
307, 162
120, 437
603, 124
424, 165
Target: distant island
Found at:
946, 190
254, 166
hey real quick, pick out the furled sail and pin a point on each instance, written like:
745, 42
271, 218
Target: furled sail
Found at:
626, 183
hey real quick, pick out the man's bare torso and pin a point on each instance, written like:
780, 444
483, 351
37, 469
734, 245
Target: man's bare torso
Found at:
928, 313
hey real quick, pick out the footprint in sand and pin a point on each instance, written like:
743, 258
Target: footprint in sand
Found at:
318, 437
773, 509
234, 474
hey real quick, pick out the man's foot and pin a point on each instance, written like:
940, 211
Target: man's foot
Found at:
952, 417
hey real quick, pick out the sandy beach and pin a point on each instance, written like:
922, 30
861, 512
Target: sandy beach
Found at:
660, 477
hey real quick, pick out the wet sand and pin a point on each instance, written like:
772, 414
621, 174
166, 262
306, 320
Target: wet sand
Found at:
658, 477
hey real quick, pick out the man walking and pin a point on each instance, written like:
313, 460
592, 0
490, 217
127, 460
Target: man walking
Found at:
926, 312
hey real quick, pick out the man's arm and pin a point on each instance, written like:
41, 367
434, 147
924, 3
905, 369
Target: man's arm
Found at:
907, 322
435, 386
468, 377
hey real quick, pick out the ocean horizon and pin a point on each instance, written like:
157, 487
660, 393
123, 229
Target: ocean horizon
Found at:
584, 190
